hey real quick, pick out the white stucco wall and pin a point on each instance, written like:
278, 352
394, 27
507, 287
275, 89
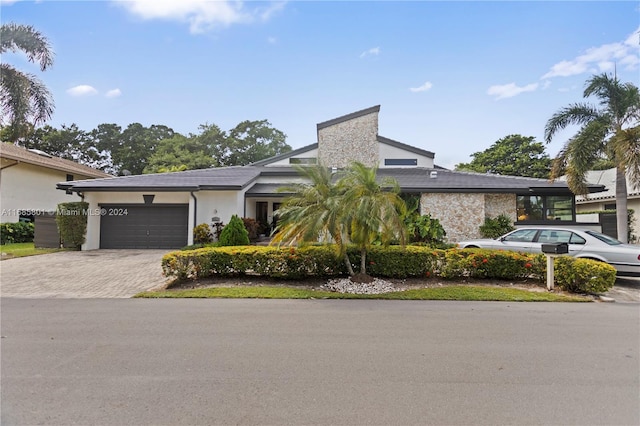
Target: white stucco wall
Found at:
632, 203
285, 162
28, 187
392, 152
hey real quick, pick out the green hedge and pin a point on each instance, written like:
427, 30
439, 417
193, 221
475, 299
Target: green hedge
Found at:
571, 274
18, 232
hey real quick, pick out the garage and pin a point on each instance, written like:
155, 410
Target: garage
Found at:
157, 226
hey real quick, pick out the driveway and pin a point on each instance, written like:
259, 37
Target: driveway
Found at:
82, 274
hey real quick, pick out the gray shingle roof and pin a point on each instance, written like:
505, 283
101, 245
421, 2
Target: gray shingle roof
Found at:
285, 155
404, 146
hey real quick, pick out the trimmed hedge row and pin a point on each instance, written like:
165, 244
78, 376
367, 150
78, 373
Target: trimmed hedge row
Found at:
577, 275
16, 232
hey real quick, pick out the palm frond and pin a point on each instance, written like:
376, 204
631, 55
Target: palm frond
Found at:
15, 37
579, 113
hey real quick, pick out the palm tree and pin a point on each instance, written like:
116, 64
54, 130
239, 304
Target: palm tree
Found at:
372, 210
313, 211
609, 132
26, 101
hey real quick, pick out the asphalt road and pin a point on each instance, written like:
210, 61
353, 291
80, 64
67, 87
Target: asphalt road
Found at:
174, 362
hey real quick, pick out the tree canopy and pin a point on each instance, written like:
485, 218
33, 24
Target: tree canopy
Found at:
513, 155
609, 131
25, 99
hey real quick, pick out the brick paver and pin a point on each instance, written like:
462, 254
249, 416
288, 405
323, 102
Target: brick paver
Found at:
82, 274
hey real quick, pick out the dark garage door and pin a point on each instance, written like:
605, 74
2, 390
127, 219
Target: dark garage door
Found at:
144, 226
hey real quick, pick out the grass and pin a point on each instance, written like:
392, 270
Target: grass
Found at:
9, 251
477, 293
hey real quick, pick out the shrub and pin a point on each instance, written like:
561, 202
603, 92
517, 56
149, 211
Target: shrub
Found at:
495, 227
202, 234
252, 228
18, 232
583, 275
493, 264
234, 234
71, 219
425, 229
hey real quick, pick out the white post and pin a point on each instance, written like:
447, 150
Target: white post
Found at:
550, 272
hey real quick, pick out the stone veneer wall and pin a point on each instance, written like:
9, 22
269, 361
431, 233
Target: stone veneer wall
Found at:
497, 204
349, 141
460, 214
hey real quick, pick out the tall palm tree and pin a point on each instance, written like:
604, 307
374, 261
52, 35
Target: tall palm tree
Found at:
313, 211
26, 101
609, 131
372, 209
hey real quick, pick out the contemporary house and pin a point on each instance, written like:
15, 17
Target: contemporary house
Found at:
28, 181
160, 210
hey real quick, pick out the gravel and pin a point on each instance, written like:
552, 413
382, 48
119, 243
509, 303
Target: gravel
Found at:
345, 285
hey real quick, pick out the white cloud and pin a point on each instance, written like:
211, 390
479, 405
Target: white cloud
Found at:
202, 15
510, 90
601, 58
113, 93
426, 86
374, 51
82, 90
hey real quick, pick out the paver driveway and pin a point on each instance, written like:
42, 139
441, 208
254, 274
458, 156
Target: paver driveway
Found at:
82, 274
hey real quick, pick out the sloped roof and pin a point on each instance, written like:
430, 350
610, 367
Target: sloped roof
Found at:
348, 117
23, 155
607, 178
404, 146
418, 179
285, 155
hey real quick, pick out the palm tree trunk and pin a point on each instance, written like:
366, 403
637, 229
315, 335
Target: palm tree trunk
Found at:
621, 204
363, 261
347, 263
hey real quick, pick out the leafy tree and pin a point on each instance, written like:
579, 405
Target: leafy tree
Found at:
25, 99
609, 131
355, 209
513, 155
234, 234
251, 141
180, 153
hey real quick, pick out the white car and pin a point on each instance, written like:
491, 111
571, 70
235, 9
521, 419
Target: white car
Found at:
582, 243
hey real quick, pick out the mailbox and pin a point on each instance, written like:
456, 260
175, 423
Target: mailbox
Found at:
555, 248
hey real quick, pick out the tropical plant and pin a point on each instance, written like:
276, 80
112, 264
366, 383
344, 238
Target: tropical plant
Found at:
26, 101
371, 209
357, 209
494, 227
202, 234
610, 131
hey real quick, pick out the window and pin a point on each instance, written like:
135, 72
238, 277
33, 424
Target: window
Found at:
69, 178
303, 160
610, 206
400, 161
545, 208
521, 235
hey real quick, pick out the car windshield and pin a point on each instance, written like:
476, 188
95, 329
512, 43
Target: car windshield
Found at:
604, 238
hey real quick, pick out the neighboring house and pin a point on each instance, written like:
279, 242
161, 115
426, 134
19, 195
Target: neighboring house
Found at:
606, 200
160, 210
28, 181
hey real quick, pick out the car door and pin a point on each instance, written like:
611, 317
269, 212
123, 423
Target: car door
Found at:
518, 240
551, 236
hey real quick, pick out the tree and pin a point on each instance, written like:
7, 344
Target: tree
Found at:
314, 211
355, 209
251, 141
513, 155
180, 152
26, 101
371, 210
610, 131
234, 234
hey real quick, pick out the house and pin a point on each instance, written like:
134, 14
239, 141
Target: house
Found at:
160, 210
28, 179
606, 200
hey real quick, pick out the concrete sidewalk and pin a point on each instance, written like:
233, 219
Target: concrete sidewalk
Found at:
82, 274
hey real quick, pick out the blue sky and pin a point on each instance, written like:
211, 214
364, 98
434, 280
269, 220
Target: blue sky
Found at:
451, 77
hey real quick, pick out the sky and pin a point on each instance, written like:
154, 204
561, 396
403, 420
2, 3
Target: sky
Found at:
451, 77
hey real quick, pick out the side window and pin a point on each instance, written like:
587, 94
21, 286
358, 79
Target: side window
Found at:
576, 239
521, 235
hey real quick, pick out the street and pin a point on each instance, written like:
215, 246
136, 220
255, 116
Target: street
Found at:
173, 362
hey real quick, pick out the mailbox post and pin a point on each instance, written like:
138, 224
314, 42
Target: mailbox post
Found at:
551, 251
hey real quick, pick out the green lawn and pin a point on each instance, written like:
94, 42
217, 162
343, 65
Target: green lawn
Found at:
463, 292
10, 251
